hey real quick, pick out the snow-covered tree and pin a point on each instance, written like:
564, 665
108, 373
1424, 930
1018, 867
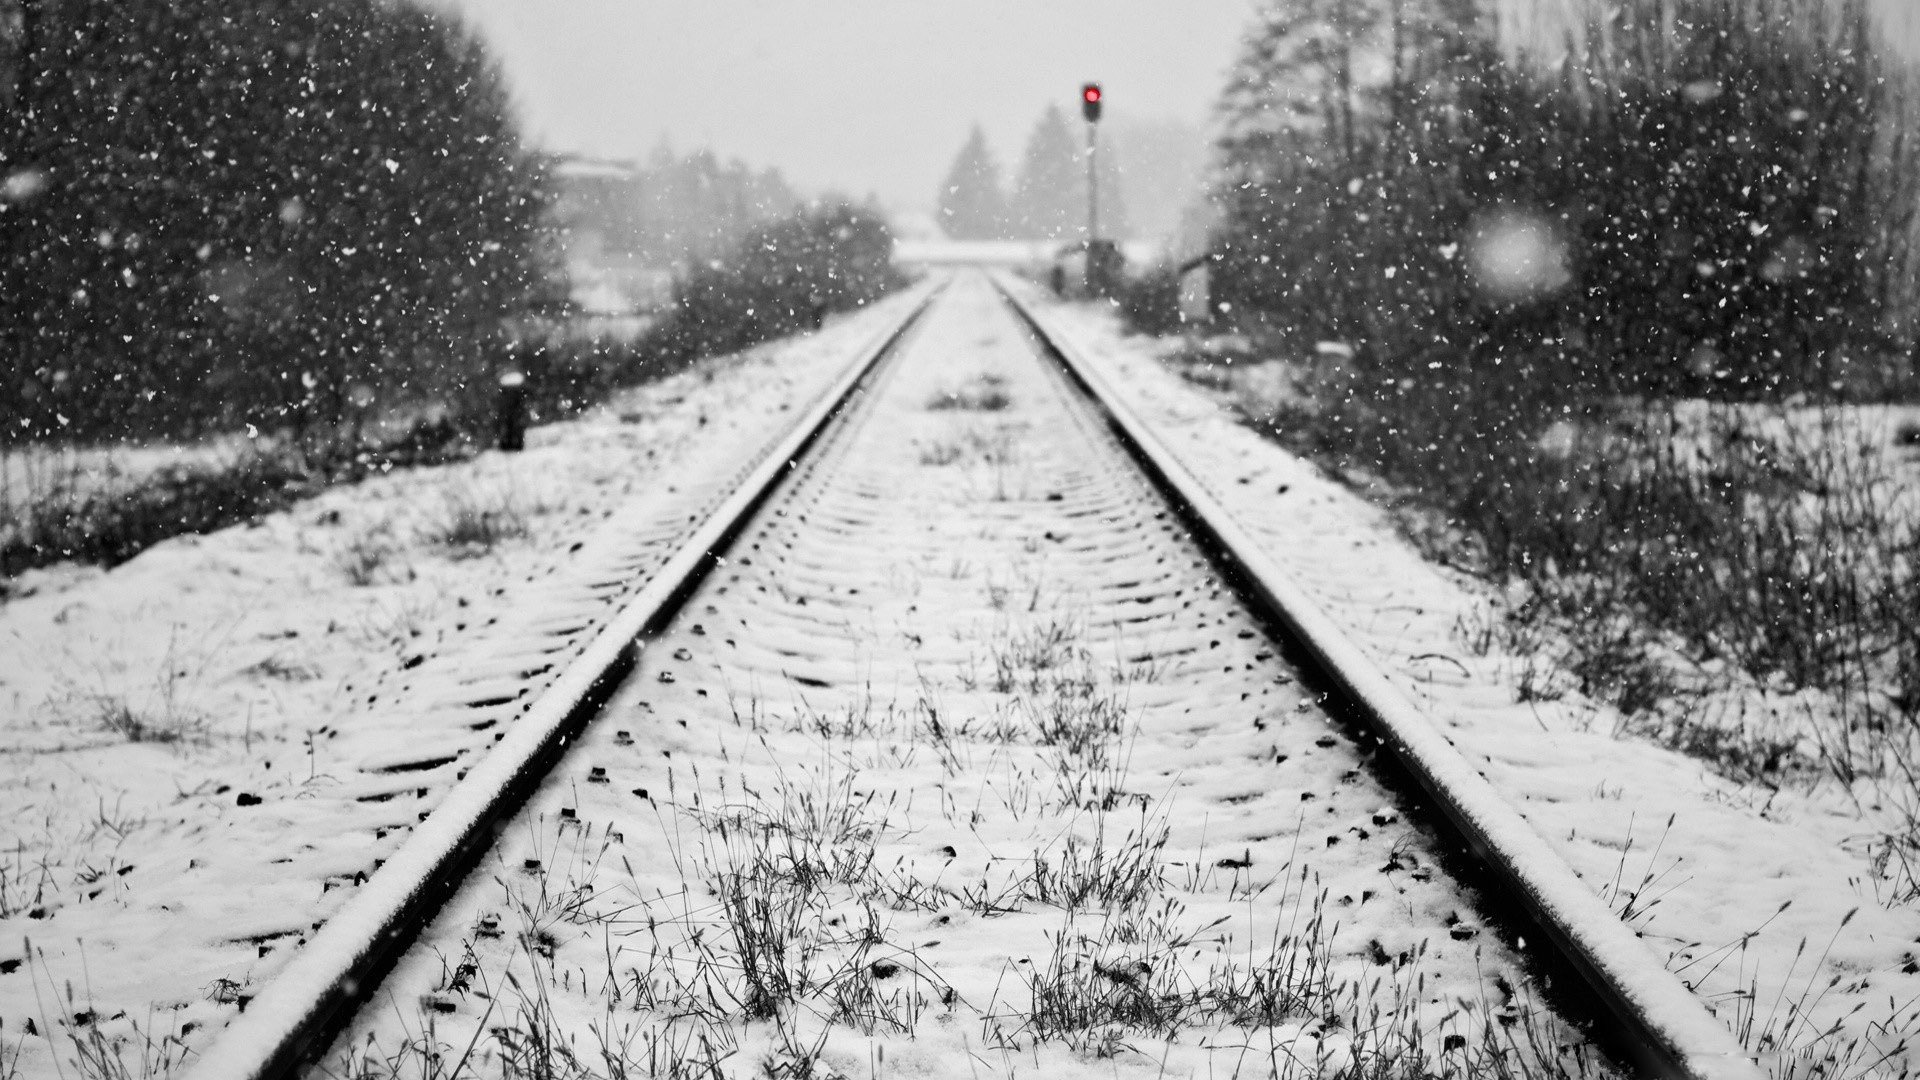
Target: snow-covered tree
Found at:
1300, 78
973, 205
1699, 187
1049, 194
262, 210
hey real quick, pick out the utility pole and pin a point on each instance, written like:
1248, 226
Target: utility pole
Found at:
1093, 186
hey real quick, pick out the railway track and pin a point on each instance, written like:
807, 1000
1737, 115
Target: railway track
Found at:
970, 732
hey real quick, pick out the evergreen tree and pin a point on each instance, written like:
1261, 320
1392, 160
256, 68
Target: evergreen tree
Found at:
1049, 197
972, 204
408, 214
219, 210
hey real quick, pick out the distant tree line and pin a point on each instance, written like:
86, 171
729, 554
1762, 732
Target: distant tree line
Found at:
673, 212
1700, 197
1047, 198
264, 211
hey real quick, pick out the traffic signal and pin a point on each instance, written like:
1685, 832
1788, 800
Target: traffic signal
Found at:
1090, 102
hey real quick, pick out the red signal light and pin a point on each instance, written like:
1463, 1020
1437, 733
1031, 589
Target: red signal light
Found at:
1090, 101
1091, 93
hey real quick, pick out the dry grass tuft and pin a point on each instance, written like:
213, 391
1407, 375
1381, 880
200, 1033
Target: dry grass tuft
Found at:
985, 392
475, 521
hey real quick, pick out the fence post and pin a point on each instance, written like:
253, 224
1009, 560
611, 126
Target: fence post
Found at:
511, 417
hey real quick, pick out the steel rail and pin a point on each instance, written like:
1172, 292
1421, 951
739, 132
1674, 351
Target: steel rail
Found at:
298, 1013
1658, 1025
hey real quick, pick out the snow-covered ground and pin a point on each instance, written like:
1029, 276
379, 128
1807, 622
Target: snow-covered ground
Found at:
200, 748
965, 765
1764, 899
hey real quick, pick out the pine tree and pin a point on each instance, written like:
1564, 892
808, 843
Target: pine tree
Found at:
1049, 196
972, 204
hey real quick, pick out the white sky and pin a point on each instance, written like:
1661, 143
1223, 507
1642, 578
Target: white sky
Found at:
855, 95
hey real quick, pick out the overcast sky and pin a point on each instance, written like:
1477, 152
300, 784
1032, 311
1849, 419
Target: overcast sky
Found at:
855, 95
861, 96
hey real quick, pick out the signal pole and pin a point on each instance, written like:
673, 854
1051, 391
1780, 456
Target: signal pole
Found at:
1090, 108
1103, 269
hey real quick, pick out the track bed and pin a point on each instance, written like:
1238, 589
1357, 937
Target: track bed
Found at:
963, 763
